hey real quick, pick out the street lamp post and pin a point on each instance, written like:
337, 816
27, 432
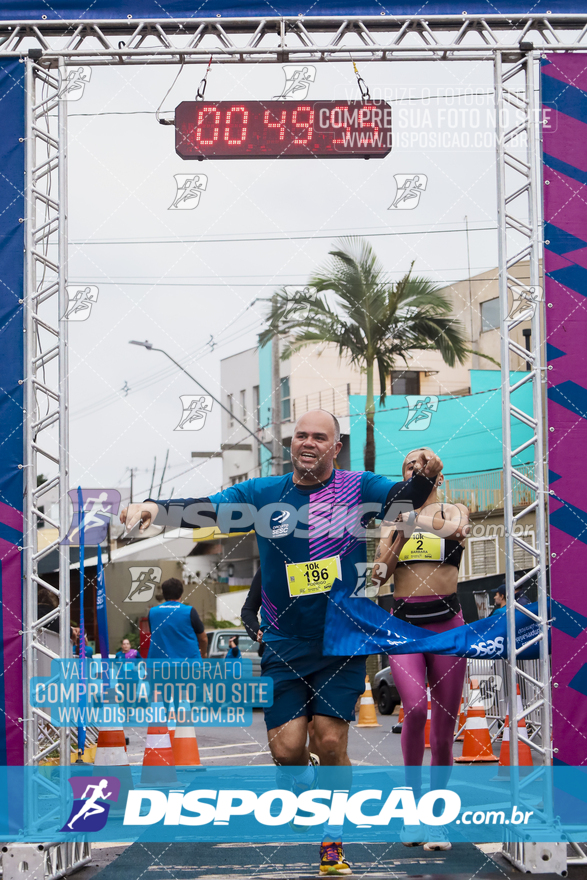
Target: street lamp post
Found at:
150, 347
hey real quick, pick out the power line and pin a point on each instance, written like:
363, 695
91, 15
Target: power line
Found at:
274, 238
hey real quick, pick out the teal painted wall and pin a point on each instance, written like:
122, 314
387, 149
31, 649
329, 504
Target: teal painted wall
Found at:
265, 402
464, 431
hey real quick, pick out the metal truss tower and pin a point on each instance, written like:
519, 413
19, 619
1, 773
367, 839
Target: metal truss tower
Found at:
512, 44
46, 459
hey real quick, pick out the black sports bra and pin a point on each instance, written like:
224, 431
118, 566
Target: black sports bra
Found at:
426, 547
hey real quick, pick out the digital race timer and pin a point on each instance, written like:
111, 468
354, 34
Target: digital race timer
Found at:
282, 129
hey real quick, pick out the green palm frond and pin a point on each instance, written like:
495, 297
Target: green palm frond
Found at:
371, 319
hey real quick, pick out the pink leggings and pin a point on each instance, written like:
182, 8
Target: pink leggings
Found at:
445, 679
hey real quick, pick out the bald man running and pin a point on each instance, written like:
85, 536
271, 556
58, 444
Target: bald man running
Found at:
310, 532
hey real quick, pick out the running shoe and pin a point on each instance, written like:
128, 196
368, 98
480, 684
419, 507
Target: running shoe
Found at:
411, 835
437, 839
332, 860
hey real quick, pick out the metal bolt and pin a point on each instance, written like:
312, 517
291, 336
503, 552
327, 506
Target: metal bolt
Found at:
547, 183
551, 429
547, 241
550, 366
549, 305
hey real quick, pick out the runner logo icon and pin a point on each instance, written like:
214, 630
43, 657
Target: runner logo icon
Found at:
421, 408
195, 409
298, 79
144, 580
409, 190
90, 807
189, 189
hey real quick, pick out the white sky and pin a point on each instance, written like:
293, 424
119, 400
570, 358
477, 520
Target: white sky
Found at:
155, 285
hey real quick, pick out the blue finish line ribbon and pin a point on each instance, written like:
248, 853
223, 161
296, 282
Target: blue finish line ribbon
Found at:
357, 626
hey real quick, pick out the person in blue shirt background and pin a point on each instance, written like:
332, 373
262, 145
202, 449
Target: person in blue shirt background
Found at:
499, 601
176, 629
234, 652
126, 652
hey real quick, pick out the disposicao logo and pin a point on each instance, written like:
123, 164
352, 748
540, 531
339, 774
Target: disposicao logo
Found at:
90, 808
204, 806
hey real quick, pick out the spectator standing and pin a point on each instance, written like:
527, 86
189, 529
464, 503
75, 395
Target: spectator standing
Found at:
126, 652
233, 652
176, 629
499, 602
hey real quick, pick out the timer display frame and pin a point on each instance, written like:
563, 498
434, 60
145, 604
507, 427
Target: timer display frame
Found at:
283, 129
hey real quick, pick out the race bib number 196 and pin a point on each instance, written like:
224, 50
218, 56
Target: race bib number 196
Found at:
308, 578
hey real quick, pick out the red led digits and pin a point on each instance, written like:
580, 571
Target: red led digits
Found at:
367, 118
241, 138
204, 123
339, 119
280, 125
283, 129
308, 124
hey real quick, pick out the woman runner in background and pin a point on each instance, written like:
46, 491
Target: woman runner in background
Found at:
425, 565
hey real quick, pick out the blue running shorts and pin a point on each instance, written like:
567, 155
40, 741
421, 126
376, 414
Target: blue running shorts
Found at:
305, 682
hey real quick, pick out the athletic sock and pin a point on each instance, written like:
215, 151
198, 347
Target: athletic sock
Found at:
333, 833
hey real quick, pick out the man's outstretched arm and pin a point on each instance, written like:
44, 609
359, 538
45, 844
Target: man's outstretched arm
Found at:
421, 483
170, 513
185, 513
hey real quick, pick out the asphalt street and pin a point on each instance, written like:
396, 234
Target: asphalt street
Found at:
246, 746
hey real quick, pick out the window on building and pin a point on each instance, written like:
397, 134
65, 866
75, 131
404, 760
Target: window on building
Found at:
482, 556
231, 409
405, 382
285, 400
256, 406
239, 478
243, 403
523, 559
490, 314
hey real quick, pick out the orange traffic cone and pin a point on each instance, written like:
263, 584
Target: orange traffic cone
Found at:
428, 720
524, 750
112, 760
367, 716
158, 763
397, 728
461, 722
171, 723
477, 743
185, 744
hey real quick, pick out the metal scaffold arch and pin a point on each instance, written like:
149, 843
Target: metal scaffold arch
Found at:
513, 45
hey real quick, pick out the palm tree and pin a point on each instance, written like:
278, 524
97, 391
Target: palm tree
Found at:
375, 320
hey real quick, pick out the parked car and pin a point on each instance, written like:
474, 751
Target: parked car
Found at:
218, 640
385, 693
